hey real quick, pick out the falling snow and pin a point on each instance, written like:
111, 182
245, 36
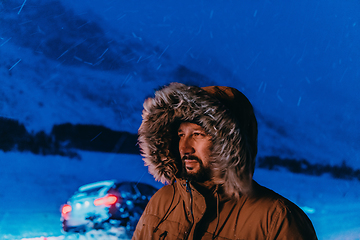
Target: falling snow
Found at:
95, 62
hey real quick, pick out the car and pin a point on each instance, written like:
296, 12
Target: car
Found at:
104, 204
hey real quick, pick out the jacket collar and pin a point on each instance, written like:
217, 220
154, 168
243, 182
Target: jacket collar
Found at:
198, 202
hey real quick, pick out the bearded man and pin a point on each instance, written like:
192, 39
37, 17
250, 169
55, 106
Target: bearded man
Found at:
202, 142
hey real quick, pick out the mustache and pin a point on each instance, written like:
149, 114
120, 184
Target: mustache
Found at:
190, 157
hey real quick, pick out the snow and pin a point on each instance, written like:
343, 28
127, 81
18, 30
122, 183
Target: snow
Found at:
308, 76
34, 187
94, 62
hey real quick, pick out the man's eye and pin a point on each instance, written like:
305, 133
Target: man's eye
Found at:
180, 135
198, 134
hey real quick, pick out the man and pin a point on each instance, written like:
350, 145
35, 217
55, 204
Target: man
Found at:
203, 143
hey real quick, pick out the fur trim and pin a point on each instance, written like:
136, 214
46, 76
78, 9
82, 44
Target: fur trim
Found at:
233, 157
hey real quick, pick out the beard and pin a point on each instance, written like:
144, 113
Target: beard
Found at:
202, 175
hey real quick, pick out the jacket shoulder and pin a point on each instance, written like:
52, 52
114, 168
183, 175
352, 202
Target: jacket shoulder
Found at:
152, 224
164, 193
161, 201
280, 216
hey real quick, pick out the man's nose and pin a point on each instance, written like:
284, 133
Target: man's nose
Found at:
186, 147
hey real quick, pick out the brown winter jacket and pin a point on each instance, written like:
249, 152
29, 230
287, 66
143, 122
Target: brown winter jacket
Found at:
174, 213
237, 207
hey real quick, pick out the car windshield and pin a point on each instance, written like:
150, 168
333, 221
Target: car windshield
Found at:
90, 191
126, 190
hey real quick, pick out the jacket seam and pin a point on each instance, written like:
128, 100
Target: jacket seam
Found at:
279, 210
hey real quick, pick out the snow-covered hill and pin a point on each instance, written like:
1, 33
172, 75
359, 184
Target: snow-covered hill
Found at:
66, 61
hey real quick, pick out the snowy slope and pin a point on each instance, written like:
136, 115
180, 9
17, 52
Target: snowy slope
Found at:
66, 61
298, 62
34, 187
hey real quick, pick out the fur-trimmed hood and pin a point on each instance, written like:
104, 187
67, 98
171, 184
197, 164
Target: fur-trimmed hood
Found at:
225, 114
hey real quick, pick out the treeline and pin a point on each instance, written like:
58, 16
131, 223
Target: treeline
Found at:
64, 139
342, 171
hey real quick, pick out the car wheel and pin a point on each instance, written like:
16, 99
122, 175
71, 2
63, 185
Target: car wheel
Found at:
65, 228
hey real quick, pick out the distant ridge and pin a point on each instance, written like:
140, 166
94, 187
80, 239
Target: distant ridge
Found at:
65, 139
304, 167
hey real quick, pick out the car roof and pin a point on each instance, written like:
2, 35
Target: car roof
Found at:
107, 183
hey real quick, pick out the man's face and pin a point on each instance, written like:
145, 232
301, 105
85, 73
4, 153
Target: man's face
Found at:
195, 149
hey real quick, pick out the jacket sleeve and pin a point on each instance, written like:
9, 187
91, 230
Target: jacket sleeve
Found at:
148, 220
140, 231
148, 225
291, 223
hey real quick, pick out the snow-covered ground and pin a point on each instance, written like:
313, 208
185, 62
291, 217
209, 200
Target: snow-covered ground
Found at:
94, 62
34, 187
